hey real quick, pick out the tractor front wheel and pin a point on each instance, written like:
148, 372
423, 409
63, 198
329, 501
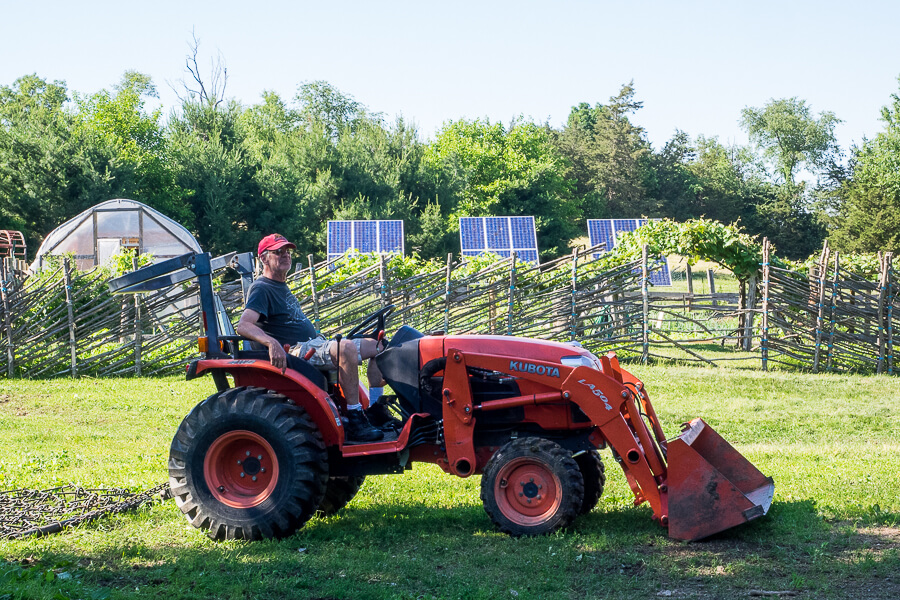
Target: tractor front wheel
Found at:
248, 464
532, 486
594, 474
338, 493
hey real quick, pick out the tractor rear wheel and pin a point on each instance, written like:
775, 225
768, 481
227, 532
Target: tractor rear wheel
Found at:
338, 493
248, 464
594, 474
532, 486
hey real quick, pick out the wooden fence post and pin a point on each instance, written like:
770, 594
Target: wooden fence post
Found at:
890, 312
882, 288
7, 322
447, 289
764, 338
138, 333
711, 280
820, 306
315, 293
512, 294
382, 276
748, 313
73, 343
834, 280
574, 316
645, 307
690, 284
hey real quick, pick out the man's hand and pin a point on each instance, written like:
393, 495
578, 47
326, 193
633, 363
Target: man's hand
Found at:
248, 327
277, 356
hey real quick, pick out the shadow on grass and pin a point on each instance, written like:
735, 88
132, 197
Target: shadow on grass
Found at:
410, 550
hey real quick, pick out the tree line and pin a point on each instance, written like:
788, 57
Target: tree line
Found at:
232, 172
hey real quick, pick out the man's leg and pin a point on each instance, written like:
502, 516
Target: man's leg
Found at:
346, 357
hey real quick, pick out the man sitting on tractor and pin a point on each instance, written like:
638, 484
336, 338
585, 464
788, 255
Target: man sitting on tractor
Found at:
273, 317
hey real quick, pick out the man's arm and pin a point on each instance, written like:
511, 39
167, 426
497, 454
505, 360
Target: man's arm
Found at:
247, 327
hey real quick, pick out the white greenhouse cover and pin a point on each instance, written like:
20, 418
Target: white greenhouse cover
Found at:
99, 232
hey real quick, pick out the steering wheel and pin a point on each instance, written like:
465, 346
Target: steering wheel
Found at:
372, 326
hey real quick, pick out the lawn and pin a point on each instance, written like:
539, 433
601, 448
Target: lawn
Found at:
830, 442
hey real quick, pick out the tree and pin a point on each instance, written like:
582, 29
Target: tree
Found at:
609, 158
495, 171
197, 88
127, 145
868, 211
36, 157
790, 136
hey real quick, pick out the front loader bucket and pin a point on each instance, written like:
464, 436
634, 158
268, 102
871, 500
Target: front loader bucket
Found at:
711, 486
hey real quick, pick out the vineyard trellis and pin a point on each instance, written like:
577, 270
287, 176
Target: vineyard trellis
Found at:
66, 323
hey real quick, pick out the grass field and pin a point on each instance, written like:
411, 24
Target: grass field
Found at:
832, 443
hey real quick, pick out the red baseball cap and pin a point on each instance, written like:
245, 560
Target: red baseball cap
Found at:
273, 241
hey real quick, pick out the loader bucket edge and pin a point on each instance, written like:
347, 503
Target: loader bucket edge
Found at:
712, 487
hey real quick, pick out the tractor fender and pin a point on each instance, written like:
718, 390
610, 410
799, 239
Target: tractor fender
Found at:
298, 388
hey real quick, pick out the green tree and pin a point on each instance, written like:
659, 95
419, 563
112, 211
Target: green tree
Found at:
868, 211
610, 158
215, 172
500, 171
127, 145
790, 136
35, 156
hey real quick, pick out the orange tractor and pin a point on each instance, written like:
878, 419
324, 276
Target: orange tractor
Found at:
267, 451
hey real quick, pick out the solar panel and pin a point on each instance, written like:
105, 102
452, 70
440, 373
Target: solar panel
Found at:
364, 236
605, 231
500, 235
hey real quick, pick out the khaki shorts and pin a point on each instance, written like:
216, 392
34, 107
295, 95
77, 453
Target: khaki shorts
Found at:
321, 358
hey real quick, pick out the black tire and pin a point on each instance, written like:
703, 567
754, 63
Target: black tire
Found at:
532, 486
269, 494
594, 475
338, 493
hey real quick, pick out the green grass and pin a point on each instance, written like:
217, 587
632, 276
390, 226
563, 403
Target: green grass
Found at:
831, 443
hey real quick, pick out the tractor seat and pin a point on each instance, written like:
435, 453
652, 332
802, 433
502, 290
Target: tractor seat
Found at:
232, 344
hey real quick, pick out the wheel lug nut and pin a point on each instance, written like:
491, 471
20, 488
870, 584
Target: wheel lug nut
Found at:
529, 501
239, 462
531, 480
259, 457
262, 470
248, 453
539, 497
254, 478
521, 494
243, 474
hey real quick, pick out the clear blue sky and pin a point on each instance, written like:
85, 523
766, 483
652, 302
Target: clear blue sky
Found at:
695, 64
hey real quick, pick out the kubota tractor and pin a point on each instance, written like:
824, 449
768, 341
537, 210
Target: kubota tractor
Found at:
266, 452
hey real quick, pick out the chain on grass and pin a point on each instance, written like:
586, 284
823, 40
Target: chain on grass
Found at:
27, 512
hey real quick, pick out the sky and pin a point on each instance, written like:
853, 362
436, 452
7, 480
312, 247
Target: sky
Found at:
694, 64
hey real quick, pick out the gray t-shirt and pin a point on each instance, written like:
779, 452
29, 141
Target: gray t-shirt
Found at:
279, 311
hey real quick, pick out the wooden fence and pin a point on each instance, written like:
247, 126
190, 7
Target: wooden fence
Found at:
67, 324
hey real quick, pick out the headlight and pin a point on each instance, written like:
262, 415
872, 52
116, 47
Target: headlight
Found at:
577, 361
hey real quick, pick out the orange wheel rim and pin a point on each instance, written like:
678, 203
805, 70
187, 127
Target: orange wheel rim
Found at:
241, 469
527, 492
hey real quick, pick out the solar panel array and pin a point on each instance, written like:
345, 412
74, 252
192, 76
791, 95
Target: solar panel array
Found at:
604, 231
364, 236
500, 235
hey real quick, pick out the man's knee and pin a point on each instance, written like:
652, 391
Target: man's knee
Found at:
349, 353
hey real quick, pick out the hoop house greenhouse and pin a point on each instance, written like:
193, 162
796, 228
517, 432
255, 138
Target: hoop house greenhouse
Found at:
99, 232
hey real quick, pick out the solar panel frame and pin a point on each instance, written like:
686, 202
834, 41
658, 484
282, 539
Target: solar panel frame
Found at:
499, 235
382, 235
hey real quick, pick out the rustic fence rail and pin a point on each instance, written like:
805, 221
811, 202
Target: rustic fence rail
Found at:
66, 323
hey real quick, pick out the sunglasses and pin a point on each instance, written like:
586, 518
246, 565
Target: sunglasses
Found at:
280, 252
